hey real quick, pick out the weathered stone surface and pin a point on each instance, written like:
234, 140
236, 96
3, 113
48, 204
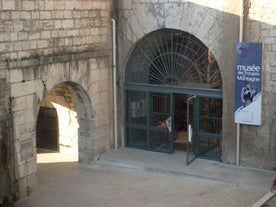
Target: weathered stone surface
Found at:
205, 20
216, 24
42, 20
259, 142
60, 51
51, 53
5, 141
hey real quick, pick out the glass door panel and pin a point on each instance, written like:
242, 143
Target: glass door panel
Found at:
161, 122
210, 128
136, 119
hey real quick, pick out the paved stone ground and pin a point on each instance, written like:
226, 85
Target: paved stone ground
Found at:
136, 181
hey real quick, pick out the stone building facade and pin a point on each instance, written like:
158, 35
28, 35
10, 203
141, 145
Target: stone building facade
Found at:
209, 21
56, 56
258, 144
53, 55
216, 24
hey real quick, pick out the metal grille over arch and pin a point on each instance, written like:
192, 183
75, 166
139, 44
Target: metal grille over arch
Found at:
173, 57
165, 70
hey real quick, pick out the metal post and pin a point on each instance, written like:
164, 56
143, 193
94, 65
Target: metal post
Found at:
114, 66
238, 125
238, 146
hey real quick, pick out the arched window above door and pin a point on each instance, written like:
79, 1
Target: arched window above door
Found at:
173, 57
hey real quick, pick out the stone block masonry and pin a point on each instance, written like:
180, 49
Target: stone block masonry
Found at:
260, 26
216, 24
31, 28
86, 79
7, 164
5, 144
45, 44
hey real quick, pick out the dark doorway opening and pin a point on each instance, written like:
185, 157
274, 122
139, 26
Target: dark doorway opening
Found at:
181, 118
47, 130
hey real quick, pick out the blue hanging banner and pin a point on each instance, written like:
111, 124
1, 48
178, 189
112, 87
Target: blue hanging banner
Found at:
248, 100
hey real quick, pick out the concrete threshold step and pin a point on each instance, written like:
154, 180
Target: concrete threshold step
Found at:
268, 200
141, 167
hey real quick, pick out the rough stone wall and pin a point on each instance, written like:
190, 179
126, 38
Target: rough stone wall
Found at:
45, 43
258, 144
6, 160
35, 28
215, 23
92, 75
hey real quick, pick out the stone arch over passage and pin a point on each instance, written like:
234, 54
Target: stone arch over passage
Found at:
164, 70
64, 123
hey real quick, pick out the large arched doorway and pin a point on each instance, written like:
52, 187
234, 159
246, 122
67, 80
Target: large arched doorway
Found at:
63, 131
173, 85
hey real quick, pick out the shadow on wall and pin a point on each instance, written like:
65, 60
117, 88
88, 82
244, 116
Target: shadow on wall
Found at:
58, 126
218, 30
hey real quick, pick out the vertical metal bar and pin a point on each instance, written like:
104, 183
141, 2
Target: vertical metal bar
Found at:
187, 128
238, 146
238, 125
171, 134
114, 56
188, 122
148, 98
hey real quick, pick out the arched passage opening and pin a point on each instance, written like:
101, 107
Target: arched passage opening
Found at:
63, 131
173, 95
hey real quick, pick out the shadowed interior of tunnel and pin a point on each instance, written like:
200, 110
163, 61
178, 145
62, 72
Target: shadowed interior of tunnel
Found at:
57, 126
57, 130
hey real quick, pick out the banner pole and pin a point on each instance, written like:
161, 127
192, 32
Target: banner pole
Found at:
238, 125
238, 146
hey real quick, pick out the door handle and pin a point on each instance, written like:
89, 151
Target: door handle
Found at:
190, 133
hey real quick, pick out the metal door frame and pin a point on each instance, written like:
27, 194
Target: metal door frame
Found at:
194, 142
148, 89
160, 129
147, 126
191, 128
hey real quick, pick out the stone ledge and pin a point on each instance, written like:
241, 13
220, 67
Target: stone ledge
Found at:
59, 58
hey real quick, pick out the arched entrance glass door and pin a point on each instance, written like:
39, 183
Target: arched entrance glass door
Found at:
163, 71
